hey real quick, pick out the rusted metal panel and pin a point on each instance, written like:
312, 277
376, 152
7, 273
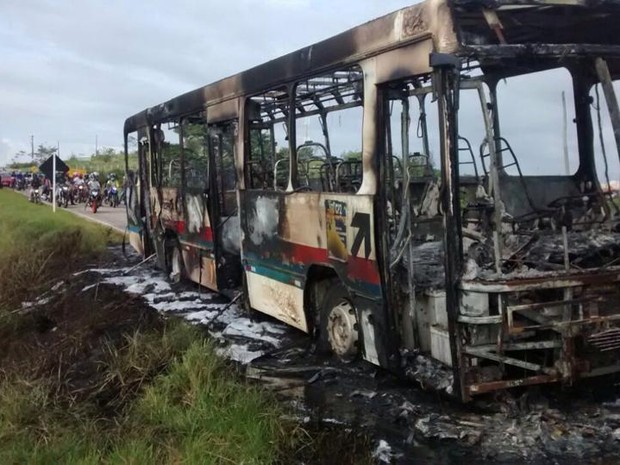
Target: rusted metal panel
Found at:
482, 388
551, 281
224, 111
403, 62
200, 266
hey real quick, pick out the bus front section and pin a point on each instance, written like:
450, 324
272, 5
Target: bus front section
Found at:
505, 225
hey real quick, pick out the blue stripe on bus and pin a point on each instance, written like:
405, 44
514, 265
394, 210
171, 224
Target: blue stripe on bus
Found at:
295, 275
279, 275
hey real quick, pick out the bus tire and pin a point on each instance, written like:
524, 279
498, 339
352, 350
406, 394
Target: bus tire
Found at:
174, 260
338, 324
245, 299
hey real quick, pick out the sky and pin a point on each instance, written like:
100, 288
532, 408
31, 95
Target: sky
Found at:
73, 71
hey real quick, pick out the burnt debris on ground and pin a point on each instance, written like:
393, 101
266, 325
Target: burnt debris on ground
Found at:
64, 338
366, 406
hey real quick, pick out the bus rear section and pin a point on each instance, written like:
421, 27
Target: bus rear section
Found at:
179, 208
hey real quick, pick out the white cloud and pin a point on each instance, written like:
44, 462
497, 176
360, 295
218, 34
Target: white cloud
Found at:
75, 70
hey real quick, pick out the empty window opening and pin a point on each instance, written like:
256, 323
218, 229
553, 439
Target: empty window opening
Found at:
267, 159
531, 112
195, 153
328, 117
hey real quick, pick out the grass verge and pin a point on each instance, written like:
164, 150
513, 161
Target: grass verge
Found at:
97, 377
94, 376
180, 404
38, 246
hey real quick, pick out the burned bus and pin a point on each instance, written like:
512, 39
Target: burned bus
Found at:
382, 191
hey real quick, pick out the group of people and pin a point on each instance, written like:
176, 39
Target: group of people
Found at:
77, 189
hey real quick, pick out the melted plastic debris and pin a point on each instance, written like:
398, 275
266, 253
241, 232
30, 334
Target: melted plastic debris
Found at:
383, 452
428, 372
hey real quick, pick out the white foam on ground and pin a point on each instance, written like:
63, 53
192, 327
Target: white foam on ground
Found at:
239, 332
383, 452
239, 353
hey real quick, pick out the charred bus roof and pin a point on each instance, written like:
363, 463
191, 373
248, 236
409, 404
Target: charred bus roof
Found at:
505, 37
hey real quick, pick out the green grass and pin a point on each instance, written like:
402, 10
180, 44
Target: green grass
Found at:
159, 396
196, 411
38, 245
22, 222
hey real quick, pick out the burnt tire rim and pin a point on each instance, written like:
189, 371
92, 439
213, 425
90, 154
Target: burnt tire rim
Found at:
342, 329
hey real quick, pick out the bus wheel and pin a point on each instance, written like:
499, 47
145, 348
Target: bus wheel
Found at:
174, 256
339, 329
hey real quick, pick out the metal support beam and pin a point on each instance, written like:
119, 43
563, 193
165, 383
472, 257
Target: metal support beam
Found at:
610, 97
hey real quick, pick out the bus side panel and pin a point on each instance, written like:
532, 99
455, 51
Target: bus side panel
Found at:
284, 234
171, 209
134, 208
199, 266
197, 242
135, 239
270, 295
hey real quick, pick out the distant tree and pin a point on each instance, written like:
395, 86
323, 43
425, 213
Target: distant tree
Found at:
73, 160
43, 152
352, 155
105, 155
20, 157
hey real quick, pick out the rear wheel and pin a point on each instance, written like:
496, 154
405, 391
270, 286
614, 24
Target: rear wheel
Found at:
338, 325
174, 260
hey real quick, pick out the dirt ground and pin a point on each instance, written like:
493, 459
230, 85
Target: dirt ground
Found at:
62, 338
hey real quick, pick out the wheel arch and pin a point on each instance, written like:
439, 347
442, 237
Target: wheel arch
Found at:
318, 280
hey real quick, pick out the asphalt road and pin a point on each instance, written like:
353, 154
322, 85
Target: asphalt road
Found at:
115, 218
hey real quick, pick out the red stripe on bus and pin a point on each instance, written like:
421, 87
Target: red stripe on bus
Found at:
358, 268
362, 269
205, 234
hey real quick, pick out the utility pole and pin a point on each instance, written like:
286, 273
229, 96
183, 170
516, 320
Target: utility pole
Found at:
32, 147
565, 135
54, 155
96, 145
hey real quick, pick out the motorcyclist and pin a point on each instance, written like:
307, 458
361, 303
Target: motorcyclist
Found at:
64, 181
35, 183
93, 183
45, 187
80, 187
111, 183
